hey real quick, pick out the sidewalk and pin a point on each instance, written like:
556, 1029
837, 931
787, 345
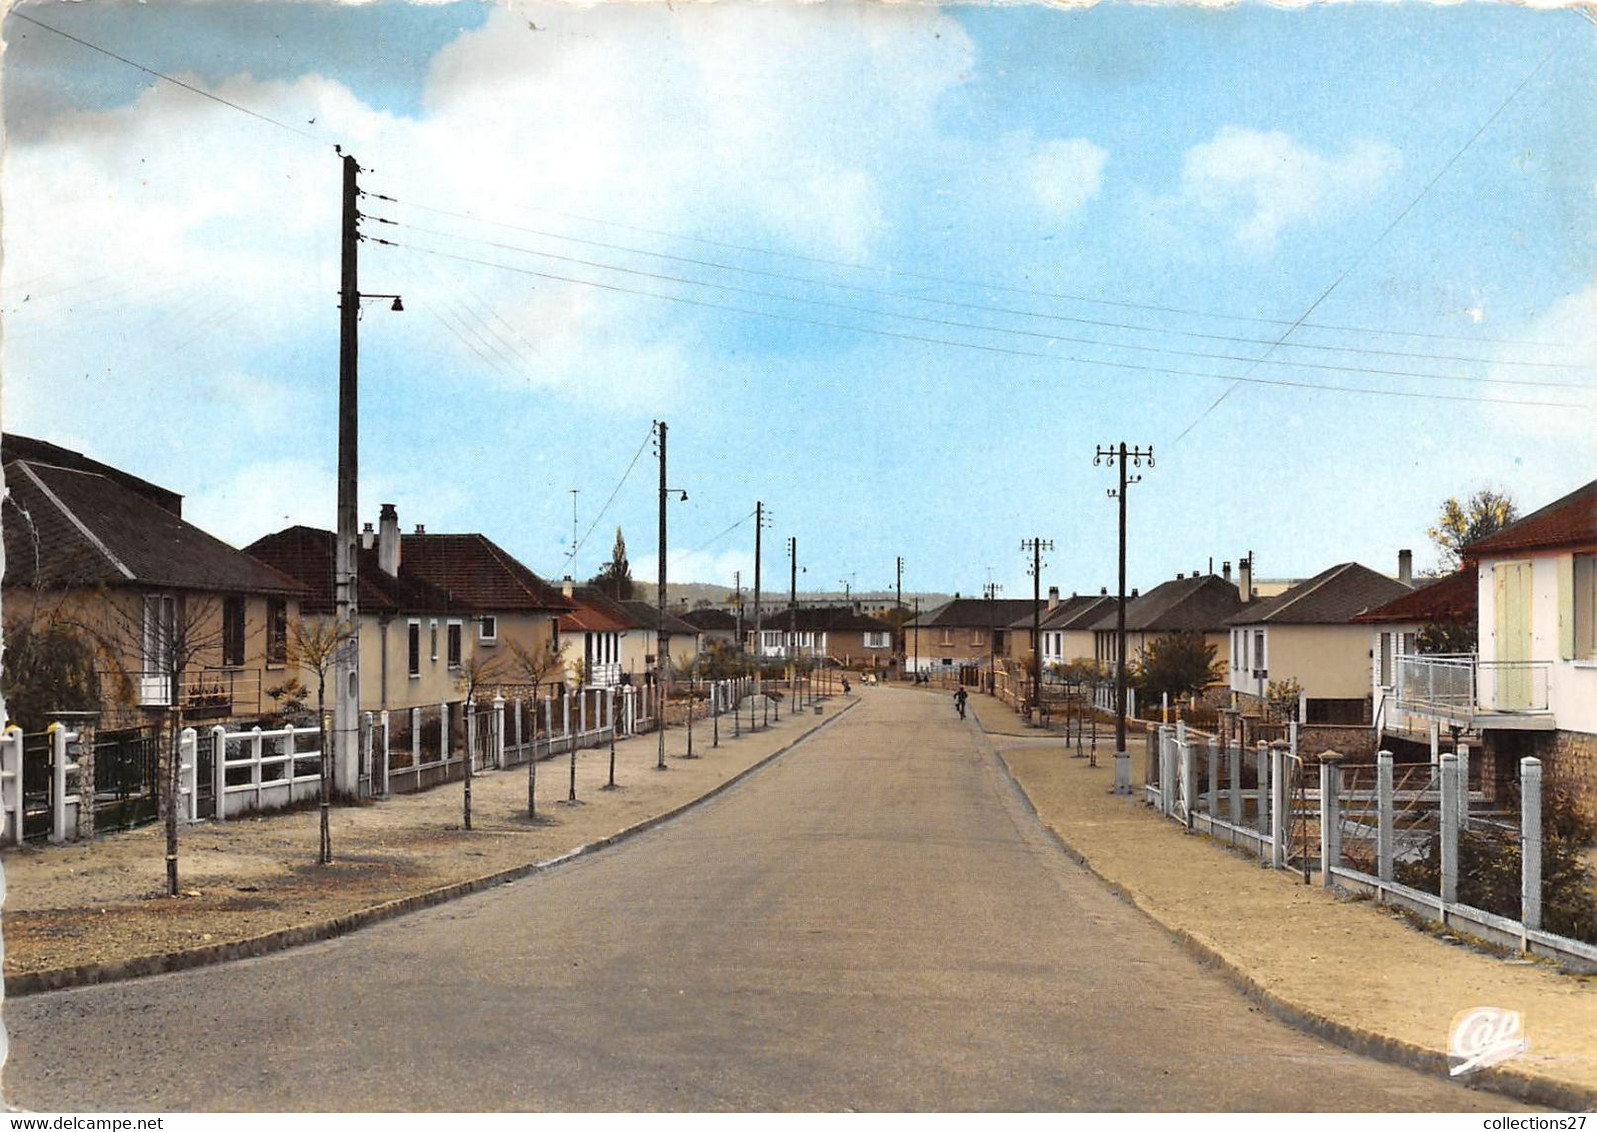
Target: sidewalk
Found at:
1350, 971
96, 911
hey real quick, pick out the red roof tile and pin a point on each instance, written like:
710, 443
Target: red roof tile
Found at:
1452, 598
1570, 521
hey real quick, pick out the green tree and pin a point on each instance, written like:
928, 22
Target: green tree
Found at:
1181, 664
1458, 525
615, 578
1440, 638
49, 667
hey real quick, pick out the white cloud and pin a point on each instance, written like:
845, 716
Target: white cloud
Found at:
698, 566
1064, 174
1260, 182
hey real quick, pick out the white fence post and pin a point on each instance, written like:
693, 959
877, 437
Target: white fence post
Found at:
415, 742
383, 723
1212, 807
1280, 808
368, 735
1449, 831
1463, 786
443, 733
1383, 804
59, 766
499, 731
1330, 820
288, 763
469, 707
1263, 758
1530, 846
11, 784
219, 770
1166, 749
1234, 761
1189, 769
188, 776
1436, 743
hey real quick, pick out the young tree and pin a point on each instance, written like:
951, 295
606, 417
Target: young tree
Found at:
317, 644
476, 671
1485, 513
1179, 663
615, 578
535, 667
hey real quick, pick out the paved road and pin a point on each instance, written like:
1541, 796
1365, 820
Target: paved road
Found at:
873, 922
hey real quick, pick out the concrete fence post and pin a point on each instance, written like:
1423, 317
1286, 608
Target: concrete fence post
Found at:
219, 770
1330, 820
469, 708
443, 732
58, 782
257, 748
1530, 846
521, 734
499, 731
1280, 807
1463, 786
288, 763
1131, 702
188, 771
1383, 805
1262, 758
1234, 780
1449, 831
582, 709
415, 741
11, 784
1212, 803
1165, 741
380, 767
1436, 743
1189, 775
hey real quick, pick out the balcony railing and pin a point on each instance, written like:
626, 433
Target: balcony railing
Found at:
1462, 688
203, 693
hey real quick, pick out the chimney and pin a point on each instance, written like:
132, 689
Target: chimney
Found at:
1245, 576
388, 540
1405, 567
421, 530
1103, 591
1132, 594
368, 537
1226, 568
1181, 577
1053, 597
566, 586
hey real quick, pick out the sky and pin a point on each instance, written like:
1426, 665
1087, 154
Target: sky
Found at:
895, 271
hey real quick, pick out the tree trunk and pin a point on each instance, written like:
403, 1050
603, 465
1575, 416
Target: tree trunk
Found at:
174, 785
465, 730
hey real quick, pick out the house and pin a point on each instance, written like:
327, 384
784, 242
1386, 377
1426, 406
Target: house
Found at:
602, 643
1308, 634
1397, 630
965, 633
1065, 627
1200, 603
432, 607
1530, 688
838, 632
715, 626
175, 616
681, 638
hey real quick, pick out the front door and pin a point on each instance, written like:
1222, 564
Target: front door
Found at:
1511, 602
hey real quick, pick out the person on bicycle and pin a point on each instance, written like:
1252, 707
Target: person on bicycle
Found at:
959, 702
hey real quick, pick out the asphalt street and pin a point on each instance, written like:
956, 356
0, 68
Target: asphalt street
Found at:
873, 922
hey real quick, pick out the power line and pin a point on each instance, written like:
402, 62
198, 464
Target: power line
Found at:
571, 558
957, 324
1398, 219
984, 348
902, 296
203, 93
715, 539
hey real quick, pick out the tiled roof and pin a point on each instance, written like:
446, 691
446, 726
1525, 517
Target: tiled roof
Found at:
825, 619
1453, 598
973, 613
593, 611
1332, 597
477, 572
1202, 602
1570, 521
1082, 608
65, 527
649, 615
306, 554
712, 620
14, 447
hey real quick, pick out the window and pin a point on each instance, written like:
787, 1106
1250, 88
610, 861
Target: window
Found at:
276, 631
232, 631
488, 629
1384, 661
947, 637
415, 648
454, 644
975, 636
876, 640
1258, 649
432, 632
1585, 606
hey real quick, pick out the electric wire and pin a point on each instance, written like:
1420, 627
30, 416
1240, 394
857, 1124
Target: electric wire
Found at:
576, 546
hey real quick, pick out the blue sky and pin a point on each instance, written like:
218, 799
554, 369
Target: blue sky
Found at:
981, 241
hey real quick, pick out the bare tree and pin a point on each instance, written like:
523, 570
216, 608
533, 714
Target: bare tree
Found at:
475, 672
317, 644
533, 666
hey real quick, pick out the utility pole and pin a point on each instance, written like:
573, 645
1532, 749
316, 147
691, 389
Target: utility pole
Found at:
898, 614
917, 636
792, 608
1036, 546
659, 599
990, 592
1118, 456
571, 558
760, 521
346, 669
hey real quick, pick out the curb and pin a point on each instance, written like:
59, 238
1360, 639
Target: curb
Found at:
89, 974
1531, 1088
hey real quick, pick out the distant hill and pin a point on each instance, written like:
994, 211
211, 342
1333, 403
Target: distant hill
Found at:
694, 595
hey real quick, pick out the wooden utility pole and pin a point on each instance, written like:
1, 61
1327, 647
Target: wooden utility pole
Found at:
1118, 456
792, 609
346, 671
1036, 546
659, 600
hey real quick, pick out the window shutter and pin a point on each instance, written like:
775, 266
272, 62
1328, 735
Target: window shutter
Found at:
1566, 607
